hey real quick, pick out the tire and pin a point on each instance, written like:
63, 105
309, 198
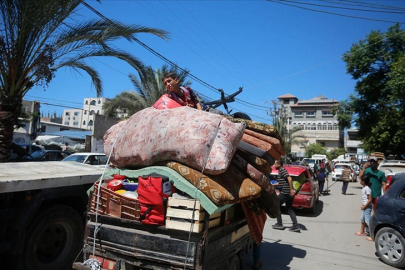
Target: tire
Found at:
312, 210
390, 246
234, 263
53, 240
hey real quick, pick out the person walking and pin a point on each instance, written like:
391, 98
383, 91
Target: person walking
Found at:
345, 178
286, 196
377, 177
366, 207
321, 177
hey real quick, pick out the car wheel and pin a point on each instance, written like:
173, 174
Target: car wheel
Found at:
234, 263
312, 210
390, 246
53, 240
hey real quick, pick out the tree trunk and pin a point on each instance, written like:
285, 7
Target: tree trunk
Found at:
341, 138
9, 112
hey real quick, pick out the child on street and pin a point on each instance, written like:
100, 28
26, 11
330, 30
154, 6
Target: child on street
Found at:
366, 207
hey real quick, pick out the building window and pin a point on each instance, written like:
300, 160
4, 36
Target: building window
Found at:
90, 123
98, 111
85, 112
87, 102
99, 101
84, 122
310, 114
327, 114
93, 102
76, 113
92, 112
298, 114
75, 123
67, 113
322, 143
68, 118
66, 123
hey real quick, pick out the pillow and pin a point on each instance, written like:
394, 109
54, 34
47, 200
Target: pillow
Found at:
233, 186
183, 134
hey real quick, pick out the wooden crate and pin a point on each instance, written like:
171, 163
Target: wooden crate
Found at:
114, 204
181, 216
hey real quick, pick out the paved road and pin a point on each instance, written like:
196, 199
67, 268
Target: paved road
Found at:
327, 239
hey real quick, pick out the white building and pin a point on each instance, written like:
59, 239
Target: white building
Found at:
84, 118
315, 118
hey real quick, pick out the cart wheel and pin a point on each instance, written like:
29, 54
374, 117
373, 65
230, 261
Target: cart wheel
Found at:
234, 263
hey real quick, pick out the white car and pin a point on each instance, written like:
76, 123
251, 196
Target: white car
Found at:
337, 171
88, 158
390, 168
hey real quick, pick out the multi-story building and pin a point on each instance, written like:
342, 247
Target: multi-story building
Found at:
314, 117
84, 118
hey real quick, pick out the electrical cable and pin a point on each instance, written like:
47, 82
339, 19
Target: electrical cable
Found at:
285, 2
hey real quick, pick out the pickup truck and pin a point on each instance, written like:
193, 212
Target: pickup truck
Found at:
113, 242
42, 213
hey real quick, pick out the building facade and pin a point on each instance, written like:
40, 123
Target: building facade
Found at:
314, 117
84, 118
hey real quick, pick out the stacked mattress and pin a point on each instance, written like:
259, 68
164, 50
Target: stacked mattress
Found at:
227, 159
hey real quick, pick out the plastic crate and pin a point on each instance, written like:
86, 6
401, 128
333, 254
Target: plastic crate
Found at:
114, 204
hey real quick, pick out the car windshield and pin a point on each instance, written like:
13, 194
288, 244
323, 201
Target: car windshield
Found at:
340, 166
309, 160
38, 154
76, 158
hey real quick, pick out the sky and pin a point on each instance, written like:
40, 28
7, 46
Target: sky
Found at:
270, 48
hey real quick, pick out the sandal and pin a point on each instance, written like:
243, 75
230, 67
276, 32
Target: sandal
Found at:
368, 238
257, 265
360, 234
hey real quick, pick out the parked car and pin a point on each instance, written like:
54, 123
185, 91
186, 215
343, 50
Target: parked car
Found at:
46, 155
312, 162
88, 158
387, 224
19, 151
305, 183
391, 168
337, 171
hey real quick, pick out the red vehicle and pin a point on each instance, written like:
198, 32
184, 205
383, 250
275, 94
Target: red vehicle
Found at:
305, 183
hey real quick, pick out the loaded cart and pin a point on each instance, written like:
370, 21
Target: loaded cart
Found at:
200, 192
190, 239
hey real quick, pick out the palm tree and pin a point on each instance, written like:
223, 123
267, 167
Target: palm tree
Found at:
290, 137
37, 38
148, 89
344, 115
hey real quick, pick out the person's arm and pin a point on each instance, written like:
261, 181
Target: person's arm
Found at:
364, 169
198, 105
368, 202
384, 186
292, 190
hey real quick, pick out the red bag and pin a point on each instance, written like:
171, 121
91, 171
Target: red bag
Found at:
153, 191
164, 102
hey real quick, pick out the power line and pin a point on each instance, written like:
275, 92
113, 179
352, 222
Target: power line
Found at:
285, 2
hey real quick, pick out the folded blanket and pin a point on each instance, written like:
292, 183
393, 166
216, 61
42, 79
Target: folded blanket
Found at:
256, 219
268, 147
259, 127
273, 141
233, 186
259, 163
182, 134
268, 199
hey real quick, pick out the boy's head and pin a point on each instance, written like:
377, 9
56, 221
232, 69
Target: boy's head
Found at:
170, 81
366, 180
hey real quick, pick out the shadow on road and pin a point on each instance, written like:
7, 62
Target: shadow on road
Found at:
278, 256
